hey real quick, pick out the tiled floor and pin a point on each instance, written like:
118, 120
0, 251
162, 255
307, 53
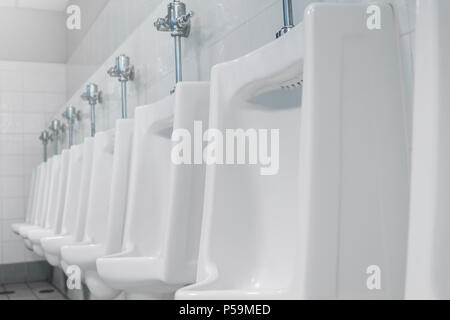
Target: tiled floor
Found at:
30, 291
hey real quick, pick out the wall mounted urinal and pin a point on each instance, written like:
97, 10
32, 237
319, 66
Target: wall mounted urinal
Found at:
338, 206
41, 214
34, 188
106, 212
79, 168
429, 237
40, 188
55, 210
161, 236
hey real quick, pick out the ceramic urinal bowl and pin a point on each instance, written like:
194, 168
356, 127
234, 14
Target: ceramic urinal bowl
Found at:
429, 238
55, 209
164, 207
44, 201
79, 170
40, 187
93, 243
338, 206
31, 202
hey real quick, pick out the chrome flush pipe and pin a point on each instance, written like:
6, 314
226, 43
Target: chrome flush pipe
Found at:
124, 71
45, 138
288, 16
92, 96
71, 115
55, 129
178, 23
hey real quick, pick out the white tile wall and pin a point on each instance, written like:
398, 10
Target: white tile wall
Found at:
30, 94
221, 30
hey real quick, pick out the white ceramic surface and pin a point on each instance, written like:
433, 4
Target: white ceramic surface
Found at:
164, 209
55, 212
79, 168
93, 242
339, 204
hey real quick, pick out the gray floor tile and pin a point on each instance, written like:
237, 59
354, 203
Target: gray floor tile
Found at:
16, 287
50, 296
23, 295
38, 286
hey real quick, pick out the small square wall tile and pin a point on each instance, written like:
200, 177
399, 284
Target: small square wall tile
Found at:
11, 144
11, 187
13, 209
11, 165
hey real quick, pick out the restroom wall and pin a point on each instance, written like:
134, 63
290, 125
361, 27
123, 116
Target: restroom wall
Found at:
32, 35
30, 94
222, 30
90, 10
105, 26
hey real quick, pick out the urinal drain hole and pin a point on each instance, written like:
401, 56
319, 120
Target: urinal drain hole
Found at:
5, 293
291, 86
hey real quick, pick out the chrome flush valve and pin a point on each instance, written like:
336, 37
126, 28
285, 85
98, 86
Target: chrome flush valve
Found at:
123, 69
177, 21
92, 96
71, 115
125, 72
55, 129
45, 138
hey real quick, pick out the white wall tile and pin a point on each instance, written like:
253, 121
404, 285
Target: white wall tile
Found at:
13, 209
7, 234
13, 252
11, 165
11, 144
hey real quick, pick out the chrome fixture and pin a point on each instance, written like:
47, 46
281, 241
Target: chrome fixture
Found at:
92, 96
55, 128
288, 15
71, 115
178, 23
125, 72
45, 138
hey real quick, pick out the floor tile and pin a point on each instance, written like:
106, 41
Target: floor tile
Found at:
50, 296
16, 287
23, 295
41, 285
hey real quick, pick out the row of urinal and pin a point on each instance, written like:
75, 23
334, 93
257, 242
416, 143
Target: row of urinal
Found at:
140, 226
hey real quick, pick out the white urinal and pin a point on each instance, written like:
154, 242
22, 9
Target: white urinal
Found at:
40, 187
429, 237
106, 212
337, 209
164, 208
31, 202
44, 201
79, 168
55, 210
